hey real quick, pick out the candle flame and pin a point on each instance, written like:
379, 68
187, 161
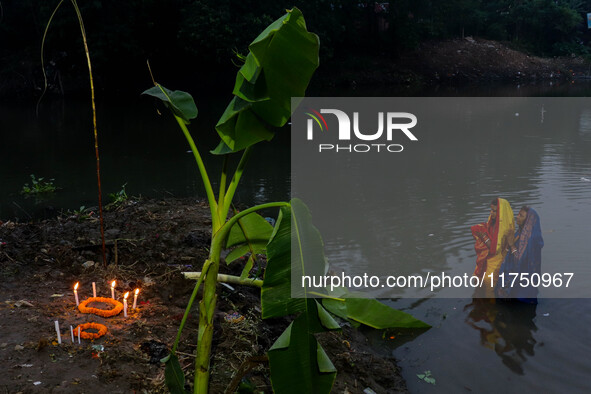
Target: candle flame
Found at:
137, 291
126, 295
113, 284
76, 285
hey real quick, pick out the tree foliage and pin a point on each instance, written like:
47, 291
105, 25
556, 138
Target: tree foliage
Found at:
124, 34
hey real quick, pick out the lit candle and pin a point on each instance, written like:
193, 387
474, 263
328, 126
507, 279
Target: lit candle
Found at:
57, 329
76, 293
72, 332
113, 283
94, 289
125, 304
137, 291
78, 335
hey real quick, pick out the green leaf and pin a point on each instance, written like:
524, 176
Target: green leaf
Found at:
247, 267
326, 319
288, 55
314, 373
250, 234
307, 249
336, 307
276, 298
283, 341
179, 102
239, 127
374, 314
295, 238
279, 66
339, 308
426, 376
173, 375
221, 149
325, 365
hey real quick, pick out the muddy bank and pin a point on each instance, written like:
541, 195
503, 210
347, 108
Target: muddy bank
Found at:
149, 244
468, 61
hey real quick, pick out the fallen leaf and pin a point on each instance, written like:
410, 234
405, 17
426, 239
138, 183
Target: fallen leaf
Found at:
20, 303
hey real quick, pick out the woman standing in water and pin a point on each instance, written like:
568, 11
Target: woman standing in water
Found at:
525, 257
492, 241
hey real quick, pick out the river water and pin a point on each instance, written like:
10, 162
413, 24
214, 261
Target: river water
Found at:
474, 346
140, 145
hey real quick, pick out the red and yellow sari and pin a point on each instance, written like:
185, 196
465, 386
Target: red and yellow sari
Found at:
489, 258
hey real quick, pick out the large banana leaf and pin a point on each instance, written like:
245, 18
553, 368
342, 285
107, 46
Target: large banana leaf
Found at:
294, 238
279, 65
297, 361
276, 298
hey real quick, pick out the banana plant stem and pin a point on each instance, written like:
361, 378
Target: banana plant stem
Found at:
222, 195
207, 304
216, 222
234, 183
206, 313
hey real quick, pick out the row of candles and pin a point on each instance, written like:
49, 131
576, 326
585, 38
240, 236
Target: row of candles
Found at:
59, 335
113, 284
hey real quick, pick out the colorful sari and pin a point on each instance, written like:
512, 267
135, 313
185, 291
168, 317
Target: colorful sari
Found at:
489, 258
528, 259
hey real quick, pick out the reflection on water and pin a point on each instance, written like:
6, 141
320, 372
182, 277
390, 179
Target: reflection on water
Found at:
137, 146
477, 345
425, 217
506, 328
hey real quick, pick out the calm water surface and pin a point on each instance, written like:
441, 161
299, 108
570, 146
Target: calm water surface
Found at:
138, 147
482, 346
473, 346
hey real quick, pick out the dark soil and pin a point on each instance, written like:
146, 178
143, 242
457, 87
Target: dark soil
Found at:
149, 244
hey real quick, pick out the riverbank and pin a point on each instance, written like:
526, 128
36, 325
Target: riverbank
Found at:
468, 61
456, 62
150, 242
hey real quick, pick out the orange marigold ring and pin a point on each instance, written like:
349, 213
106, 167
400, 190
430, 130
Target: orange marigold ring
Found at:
101, 312
102, 330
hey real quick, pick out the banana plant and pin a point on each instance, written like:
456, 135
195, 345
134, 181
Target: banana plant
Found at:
279, 66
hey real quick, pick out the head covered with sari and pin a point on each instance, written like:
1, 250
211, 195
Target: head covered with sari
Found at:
495, 229
527, 259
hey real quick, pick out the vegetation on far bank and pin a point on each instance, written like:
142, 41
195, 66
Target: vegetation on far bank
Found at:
123, 35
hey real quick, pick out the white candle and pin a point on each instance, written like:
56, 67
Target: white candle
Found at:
72, 332
113, 283
79, 335
76, 293
137, 291
94, 289
125, 304
57, 329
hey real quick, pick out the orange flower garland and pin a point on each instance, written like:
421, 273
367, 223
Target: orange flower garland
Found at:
102, 330
101, 312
